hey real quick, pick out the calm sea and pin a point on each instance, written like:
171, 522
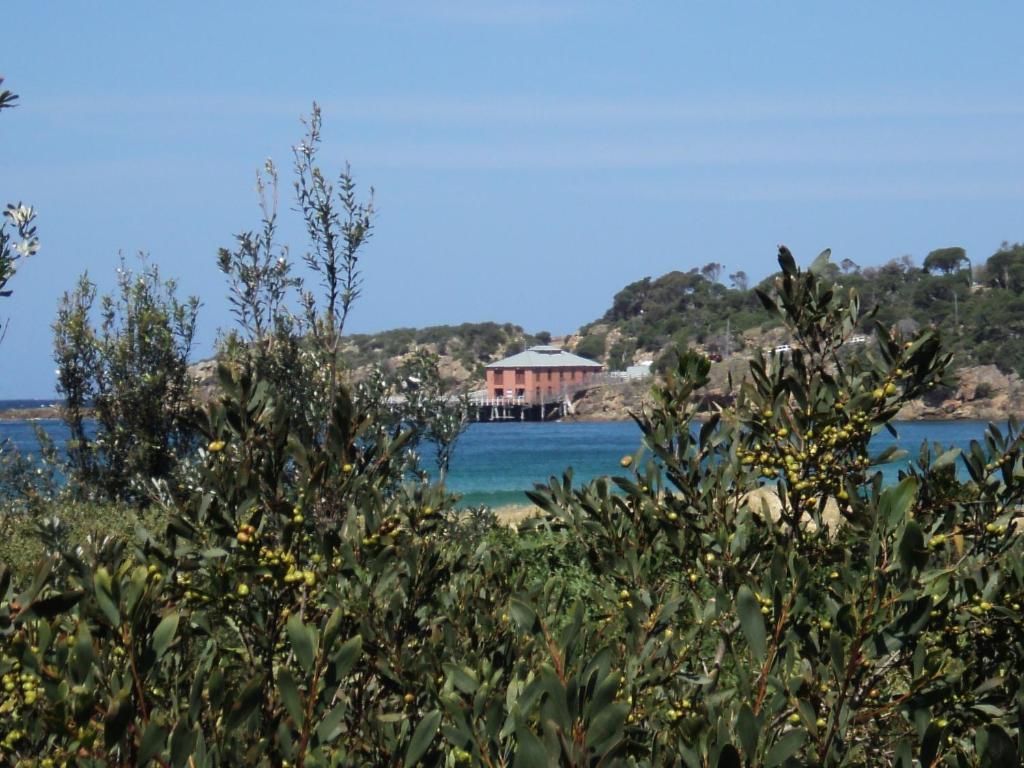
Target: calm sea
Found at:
495, 463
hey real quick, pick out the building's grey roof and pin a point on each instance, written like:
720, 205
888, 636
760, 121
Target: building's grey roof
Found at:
545, 357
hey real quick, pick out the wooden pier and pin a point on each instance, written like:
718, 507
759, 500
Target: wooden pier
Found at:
517, 409
555, 405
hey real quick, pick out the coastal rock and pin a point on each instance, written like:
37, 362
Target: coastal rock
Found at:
983, 393
984, 382
611, 403
43, 413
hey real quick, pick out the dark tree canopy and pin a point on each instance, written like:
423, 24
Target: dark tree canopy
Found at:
712, 271
945, 260
739, 280
629, 301
1005, 269
983, 324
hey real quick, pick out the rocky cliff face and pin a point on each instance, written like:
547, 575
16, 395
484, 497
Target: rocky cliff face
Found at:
452, 368
612, 403
983, 393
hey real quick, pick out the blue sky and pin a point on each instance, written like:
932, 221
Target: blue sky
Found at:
529, 159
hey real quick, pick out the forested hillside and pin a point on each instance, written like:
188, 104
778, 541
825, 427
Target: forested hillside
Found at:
465, 349
978, 308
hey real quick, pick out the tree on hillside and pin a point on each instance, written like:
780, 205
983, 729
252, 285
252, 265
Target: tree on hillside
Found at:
712, 271
1005, 268
739, 280
945, 260
592, 346
893, 271
629, 302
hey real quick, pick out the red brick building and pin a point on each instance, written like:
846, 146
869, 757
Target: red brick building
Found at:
538, 375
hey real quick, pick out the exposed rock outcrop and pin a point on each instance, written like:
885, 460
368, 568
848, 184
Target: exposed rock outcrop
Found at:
983, 393
611, 403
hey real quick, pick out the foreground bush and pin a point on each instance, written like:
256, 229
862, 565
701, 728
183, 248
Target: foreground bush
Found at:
304, 606
27, 536
129, 374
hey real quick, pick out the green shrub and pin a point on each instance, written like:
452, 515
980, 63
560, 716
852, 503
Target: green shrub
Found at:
129, 372
592, 346
301, 353
884, 634
27, 536
620, 356
306, 606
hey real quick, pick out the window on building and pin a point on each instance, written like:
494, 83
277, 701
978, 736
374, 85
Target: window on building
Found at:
499, 392
498, 377
520, 376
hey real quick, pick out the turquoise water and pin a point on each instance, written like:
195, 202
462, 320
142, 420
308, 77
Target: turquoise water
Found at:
495, 463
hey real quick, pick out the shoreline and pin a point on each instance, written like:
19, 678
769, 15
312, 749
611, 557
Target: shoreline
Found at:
982, 414
53, 414
44, 413
900, 419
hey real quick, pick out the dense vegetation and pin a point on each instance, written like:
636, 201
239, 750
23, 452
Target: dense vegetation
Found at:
297, 593
978, 308
471, 344
303, 604
129, 373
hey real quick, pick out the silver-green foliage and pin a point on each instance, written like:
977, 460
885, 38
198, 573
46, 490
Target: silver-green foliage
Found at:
124, 363
304, 605
18, 238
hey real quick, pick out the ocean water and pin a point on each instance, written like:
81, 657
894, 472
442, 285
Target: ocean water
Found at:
495, 463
